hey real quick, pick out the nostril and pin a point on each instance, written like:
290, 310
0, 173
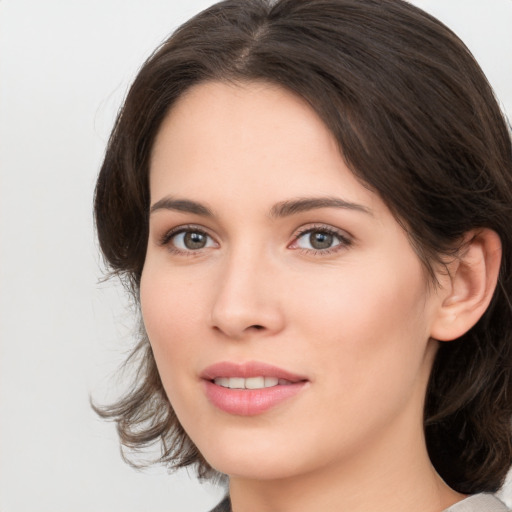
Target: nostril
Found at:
258, 327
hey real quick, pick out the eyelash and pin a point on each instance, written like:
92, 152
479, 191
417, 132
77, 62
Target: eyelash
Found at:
166, 239
344, 240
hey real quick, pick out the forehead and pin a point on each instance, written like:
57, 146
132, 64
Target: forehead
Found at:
223, 140
233, 117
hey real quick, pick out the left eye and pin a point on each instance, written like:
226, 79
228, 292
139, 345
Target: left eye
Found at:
191, 240
318, 240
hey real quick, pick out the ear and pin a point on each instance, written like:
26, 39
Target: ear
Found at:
469, 286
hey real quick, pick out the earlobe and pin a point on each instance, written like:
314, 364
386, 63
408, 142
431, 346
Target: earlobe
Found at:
469, 287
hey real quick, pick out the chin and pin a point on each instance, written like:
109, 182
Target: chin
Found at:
244, 468
255, 457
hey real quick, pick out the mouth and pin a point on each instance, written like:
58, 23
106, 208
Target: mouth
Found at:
251, 382
251, 388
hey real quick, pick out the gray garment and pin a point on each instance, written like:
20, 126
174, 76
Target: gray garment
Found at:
223, 506
475, 503
479, 503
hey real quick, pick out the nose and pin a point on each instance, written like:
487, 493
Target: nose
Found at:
246, 300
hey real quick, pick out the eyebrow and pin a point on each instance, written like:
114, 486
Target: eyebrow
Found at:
279, 210
181, 205
294, 206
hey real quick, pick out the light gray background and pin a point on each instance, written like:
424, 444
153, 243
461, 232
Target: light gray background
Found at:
64, 69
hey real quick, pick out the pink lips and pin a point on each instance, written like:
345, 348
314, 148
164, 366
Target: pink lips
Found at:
249, 402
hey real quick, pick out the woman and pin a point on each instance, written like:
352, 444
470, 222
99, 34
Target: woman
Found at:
311, 201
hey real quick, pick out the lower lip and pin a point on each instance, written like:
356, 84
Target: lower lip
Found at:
250, 402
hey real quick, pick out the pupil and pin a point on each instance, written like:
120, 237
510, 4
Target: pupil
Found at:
320, 240
194, 240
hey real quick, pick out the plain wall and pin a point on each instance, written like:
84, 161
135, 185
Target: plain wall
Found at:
64, 69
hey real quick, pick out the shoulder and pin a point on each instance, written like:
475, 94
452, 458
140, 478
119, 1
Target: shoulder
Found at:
476, 503
479, 503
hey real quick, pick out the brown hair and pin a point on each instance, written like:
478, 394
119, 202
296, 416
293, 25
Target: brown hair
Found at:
417, 122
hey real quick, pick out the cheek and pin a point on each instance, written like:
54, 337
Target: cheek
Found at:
171, 312
370, 323
171, 300
367, 336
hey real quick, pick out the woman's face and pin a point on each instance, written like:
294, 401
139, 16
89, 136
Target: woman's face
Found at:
271, 267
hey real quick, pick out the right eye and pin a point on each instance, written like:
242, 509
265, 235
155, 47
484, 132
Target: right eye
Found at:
189, 239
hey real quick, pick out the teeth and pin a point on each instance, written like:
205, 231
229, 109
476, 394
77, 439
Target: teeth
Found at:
250, 383
236, 383
222, 381
255, 383
272, 381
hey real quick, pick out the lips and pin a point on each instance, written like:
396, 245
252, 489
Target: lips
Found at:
251, 388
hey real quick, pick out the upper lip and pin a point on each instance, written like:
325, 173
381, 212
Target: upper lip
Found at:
248, 370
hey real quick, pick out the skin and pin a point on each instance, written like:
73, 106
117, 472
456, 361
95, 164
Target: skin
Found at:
356, 318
